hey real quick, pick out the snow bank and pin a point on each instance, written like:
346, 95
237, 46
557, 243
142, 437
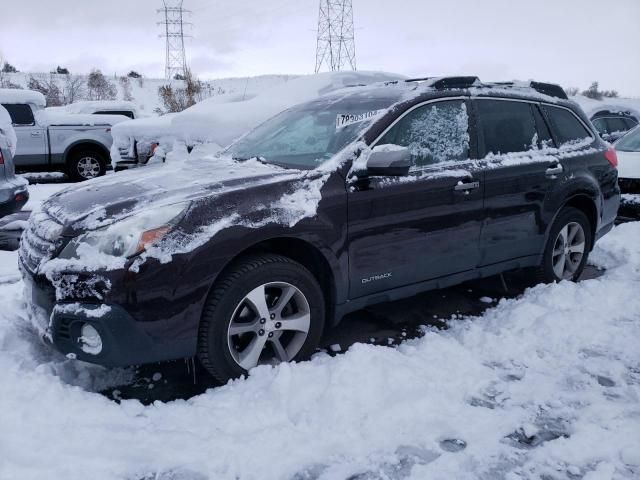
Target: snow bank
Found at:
6, 130
13, 95
545, 385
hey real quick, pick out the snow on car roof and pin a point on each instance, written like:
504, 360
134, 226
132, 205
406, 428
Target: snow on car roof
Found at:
15, 95
92, 106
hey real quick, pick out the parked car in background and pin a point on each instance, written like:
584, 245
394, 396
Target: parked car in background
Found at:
366, 195
628, 150
72, 143
14, 192
101, 107
611, 125
221, 119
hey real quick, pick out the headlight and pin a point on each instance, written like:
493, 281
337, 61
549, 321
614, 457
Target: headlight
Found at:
126, 237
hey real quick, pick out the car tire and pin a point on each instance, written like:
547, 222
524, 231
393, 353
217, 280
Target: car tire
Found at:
570, 233
257, 313
85, 165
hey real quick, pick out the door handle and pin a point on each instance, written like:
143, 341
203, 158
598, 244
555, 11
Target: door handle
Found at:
466, 187
35, 134
554, 170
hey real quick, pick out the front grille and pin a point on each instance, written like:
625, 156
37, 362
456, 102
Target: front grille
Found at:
40, 241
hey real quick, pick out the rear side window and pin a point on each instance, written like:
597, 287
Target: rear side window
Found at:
126, 113
21, 114
507, 126
566, 125
434, 133
617, 124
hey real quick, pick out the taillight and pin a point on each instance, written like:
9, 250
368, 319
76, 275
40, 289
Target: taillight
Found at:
612, 157
1, 159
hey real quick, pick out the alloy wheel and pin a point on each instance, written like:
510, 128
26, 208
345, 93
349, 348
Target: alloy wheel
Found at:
88, 167
269, 325
568, 250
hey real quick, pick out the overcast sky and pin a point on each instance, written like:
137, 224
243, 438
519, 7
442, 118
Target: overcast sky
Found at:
571, 42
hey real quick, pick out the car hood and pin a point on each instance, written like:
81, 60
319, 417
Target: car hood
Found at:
101, 201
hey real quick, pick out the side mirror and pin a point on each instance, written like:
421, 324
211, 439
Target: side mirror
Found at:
389, 161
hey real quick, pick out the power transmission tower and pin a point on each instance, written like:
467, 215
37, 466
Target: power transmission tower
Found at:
176, 60
336, 47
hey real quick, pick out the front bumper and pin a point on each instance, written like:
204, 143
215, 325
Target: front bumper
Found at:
125, 341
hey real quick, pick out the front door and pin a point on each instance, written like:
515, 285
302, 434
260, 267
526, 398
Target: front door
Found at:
405, 230
31, 149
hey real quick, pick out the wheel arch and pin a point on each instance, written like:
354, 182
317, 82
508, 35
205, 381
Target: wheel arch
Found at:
584, 202
304, 252
84, 145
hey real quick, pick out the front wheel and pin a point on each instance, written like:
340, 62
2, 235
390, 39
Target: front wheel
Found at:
267, 309
567, 249
86, 165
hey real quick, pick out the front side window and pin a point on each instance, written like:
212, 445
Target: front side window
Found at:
507, 126
434, 133
630, 142
631, 123
566, 125
21, 114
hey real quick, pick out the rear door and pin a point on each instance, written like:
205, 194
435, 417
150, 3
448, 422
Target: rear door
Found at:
519, 173
31, 148
404, 230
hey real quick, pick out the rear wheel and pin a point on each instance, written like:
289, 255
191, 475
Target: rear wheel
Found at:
567, 249
267, 309
86, 164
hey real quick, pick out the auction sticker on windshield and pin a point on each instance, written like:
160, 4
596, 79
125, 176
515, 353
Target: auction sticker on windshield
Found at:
346, 119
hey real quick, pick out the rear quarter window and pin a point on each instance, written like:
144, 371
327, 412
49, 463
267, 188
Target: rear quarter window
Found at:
566, 125
21, 114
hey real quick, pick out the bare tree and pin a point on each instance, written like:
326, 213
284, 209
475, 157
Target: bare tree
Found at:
74, 89
572, 91
99, 88
48, 87
180, 98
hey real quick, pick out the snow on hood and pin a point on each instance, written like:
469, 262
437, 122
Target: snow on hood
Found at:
52, 118
15, 95
223, 119
7, 130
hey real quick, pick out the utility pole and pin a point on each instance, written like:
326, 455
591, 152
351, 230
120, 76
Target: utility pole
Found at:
176, 60
336, 40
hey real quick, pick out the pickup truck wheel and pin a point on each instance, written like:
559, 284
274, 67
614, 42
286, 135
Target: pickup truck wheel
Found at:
85, 165
267, 309
567, 249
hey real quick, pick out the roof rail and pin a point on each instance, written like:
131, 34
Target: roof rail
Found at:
447, 82
550, 89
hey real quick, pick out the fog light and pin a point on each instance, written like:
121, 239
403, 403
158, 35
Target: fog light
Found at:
90, 340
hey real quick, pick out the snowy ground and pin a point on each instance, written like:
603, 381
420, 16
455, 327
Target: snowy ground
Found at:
546, 385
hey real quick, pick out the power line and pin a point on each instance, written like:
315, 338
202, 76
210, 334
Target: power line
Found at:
176, 59
336, 40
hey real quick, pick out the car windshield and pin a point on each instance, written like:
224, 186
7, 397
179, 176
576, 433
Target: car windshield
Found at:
307, 135
630, 142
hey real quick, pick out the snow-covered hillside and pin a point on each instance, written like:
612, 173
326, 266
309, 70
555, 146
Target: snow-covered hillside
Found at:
144, 91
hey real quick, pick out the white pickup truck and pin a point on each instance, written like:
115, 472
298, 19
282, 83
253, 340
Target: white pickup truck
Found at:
76, 144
